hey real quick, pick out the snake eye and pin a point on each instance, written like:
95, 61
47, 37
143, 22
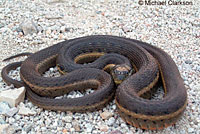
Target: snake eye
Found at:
60, 67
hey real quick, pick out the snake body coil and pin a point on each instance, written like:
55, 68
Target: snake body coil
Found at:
149, 61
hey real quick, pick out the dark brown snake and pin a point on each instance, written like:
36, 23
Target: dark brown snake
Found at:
149, 61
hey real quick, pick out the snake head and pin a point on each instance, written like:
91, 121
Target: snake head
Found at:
120, 72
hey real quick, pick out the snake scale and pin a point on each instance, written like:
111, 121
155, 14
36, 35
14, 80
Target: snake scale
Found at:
149, 62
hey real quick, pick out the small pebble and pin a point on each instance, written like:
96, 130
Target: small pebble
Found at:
111, 121
89, 128
67, 118
48, 122
188, 61
29, 27
68, 125
26, 111
77, 127
106, 115
28, 128
126, 29
190, 130
103, 128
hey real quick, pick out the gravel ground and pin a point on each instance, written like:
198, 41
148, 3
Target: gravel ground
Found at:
29, 26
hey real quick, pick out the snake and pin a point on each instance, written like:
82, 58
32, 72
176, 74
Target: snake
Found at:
110, 59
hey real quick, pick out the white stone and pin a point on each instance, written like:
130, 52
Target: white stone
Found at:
89, 128
126, 29
13, 96
53, 16
67, 118
26, 111
11, 120
111, 121
190, 130
62, 29
47, 121
68, 125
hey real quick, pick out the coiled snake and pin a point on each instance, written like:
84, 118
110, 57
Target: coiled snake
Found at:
149, 62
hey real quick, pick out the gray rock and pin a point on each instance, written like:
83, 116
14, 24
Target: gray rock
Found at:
89, 128
16, 127
43, 128
179, 56
17, 117
28, 127
54, 1
21, 124
188, 61
98, 12
190, 130
60, 123
186, 66
36, 119
4, 107
1, 25
29, 27
11, 120
53, 16
198, 68
37, 128
47, 121
30, 104
111, 121
55, 124
68, 125
23, 132
11, 111
2, 120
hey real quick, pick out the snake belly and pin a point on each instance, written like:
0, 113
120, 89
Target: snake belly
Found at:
139, 112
